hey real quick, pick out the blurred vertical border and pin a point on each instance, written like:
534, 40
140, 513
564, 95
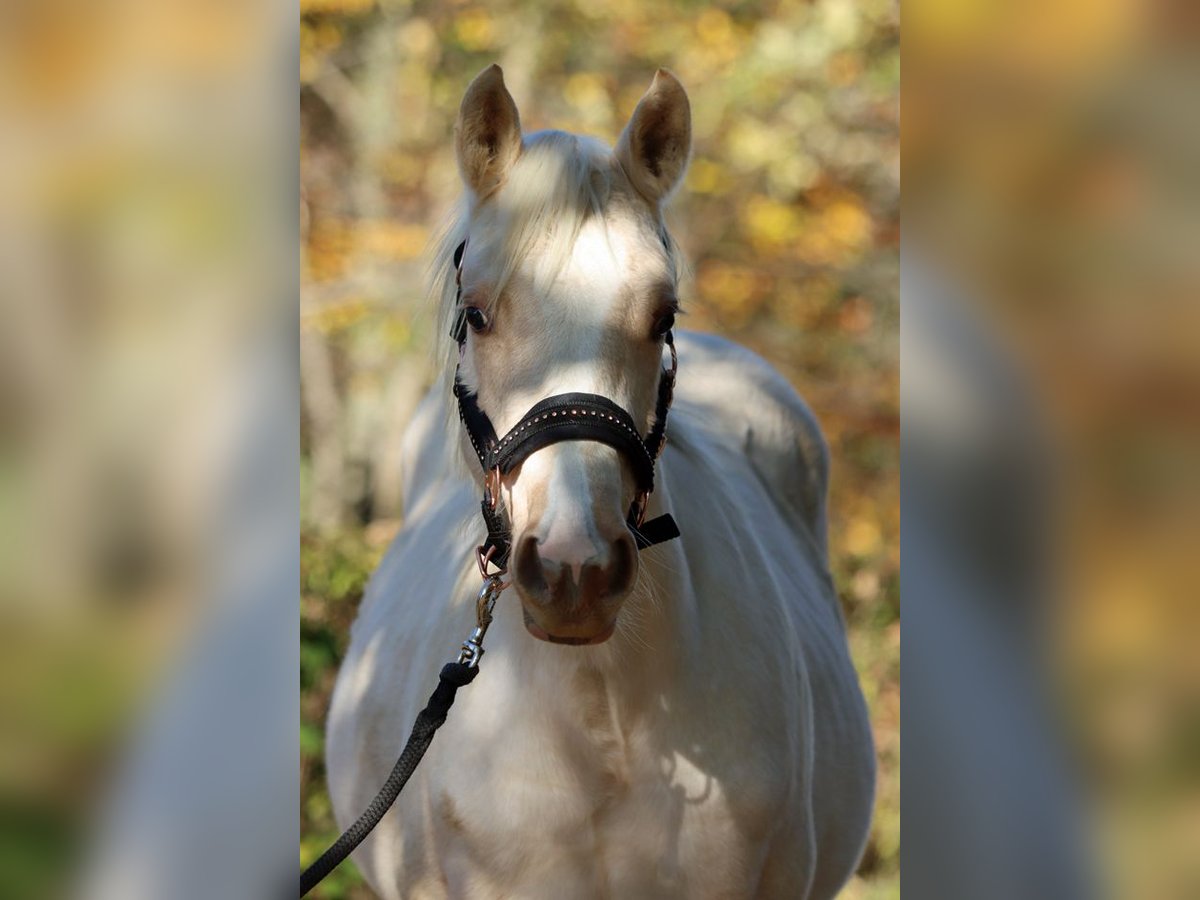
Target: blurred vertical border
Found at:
1051, 371
148, 471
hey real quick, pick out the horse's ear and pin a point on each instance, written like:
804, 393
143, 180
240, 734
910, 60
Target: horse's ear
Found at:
655, 145
487, 133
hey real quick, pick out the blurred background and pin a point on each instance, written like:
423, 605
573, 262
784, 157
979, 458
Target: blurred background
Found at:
789, 218
1051, 405
148, 473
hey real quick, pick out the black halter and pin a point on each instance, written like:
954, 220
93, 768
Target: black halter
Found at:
563, 417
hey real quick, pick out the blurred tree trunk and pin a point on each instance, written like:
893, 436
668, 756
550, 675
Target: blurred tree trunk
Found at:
323, 407
365, 106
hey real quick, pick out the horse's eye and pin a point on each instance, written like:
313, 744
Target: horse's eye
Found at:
663, 324
476, 318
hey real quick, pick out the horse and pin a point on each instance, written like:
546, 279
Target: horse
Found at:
683, 722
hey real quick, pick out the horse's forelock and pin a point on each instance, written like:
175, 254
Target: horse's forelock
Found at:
559, 182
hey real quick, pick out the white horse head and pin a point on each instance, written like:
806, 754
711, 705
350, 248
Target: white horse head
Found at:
569, 284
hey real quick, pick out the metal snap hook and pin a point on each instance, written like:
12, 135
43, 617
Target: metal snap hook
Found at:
485, 603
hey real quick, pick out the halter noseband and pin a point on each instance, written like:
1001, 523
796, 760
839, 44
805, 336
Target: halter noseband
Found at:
563, 417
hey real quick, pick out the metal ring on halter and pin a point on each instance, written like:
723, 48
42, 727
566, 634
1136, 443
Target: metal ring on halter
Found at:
483, 557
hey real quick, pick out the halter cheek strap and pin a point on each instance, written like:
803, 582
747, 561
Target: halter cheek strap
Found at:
563, 417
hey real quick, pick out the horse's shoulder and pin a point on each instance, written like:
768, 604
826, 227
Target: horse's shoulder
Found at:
744, 401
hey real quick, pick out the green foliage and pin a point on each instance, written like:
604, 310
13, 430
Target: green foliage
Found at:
333, 573
35, 839
336, 569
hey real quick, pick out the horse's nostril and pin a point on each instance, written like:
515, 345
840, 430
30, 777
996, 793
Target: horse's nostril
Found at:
622, 564
527, 567
549, 574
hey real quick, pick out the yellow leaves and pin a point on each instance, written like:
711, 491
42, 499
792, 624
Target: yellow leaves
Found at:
769, 224
844, 69
863, 537
317, 41
717, 37
801, 305
336, 7
855, 316
333, 245
790, 176
588, 95
404, 169
417, 38
836, 233
713, 26
393, 240
752, 144
585, 91
475, 30
327, 252
708, 177
735, 292
847, 222
336, 316
396, 332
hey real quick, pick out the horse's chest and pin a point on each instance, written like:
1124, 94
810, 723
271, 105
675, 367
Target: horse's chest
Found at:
601, 806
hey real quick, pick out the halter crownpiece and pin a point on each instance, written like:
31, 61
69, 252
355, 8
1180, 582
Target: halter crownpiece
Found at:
563, 417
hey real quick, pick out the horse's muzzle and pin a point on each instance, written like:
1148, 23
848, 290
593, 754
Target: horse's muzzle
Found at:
573, 601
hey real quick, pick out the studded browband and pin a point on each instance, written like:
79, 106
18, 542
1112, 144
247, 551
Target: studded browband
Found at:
563, 417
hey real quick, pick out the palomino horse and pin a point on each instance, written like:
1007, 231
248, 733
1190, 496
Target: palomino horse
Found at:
683, 722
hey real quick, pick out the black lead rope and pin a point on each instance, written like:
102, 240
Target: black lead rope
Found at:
563, 417
429, 720
454, 675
